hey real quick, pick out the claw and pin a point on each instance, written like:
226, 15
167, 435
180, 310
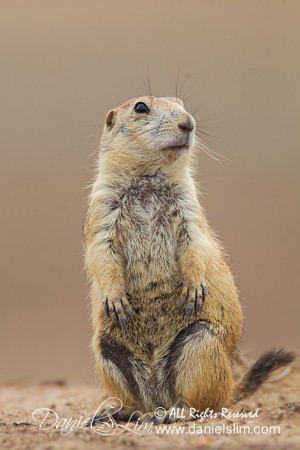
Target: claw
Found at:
121, 317
123, 323
130, 315
127, 312
96, 420
189, 310
123, 306
119, 311
155, 420
193, 300
198, 302
168, 419
106, 307
115, 316
181, 304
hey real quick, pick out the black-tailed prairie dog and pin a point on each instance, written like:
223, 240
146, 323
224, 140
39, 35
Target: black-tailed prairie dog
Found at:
165, 309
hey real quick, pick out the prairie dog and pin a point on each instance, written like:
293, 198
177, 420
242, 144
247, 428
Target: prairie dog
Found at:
165, 309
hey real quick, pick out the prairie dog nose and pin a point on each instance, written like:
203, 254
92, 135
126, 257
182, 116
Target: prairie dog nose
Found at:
186, 125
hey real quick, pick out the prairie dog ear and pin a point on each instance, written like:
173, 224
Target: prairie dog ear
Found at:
176, 100
110, 118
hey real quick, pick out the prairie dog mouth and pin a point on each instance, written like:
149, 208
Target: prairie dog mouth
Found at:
180, 143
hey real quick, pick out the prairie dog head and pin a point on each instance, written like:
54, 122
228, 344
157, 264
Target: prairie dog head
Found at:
147, 133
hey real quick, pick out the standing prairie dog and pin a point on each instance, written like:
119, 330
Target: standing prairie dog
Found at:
165, 310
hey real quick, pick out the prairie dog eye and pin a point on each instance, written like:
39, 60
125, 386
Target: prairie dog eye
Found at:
141, 107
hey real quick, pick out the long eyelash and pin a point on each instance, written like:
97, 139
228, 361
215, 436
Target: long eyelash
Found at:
147, 84
148, 81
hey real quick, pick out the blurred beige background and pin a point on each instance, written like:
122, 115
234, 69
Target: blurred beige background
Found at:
64, 64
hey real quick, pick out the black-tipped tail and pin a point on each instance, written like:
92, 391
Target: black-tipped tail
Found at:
261, 370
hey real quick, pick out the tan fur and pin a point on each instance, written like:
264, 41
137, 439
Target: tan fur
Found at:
145, 233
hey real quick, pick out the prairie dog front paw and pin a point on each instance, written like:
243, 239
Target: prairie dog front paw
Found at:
118, 309
192, 298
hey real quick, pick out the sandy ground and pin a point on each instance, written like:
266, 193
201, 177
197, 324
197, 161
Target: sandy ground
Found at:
278, 404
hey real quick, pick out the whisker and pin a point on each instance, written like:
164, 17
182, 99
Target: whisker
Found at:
186, 99
148, 130
199, 108
205, 139
182, 85
94, 152
205, 133
203, 147
214, 155
89, 136
148, 81
146, 87
205, 120
176, 82
218, 154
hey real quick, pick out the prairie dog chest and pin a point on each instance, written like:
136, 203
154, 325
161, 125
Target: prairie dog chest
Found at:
148, 225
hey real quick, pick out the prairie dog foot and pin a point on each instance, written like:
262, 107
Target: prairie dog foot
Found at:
115, 413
